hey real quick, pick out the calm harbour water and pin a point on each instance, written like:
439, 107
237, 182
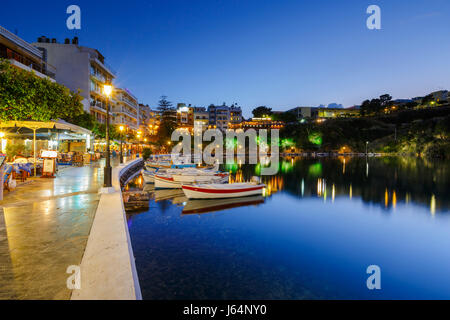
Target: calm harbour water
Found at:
321, 223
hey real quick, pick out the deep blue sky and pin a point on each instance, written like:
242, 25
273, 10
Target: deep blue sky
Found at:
277, 53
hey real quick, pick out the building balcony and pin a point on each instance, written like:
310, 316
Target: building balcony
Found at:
98, 109
127, 112
31, 69
105, 67
129, 103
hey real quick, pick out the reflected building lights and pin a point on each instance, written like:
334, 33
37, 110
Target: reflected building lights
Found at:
351, 192
394, 199
386, 198
333, 193
433, 205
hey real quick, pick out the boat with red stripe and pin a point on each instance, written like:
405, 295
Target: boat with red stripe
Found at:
218, 191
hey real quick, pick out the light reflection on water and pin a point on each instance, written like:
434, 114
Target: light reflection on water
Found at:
320, 224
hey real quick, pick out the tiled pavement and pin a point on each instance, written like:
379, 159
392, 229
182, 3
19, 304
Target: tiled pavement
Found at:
44, 227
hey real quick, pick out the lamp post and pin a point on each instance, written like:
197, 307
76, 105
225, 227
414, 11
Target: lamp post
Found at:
367, 144
2, 135
107, 90
121, 128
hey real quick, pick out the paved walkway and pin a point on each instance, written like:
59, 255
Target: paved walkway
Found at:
44, 227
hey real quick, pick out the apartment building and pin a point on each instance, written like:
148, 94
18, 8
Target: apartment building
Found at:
201, 117
185, 116
219, 116
126, 109
235, 114
23, 55
80, 68
154, 121
189, 116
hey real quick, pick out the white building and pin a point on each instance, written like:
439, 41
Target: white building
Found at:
23, 55
80, 68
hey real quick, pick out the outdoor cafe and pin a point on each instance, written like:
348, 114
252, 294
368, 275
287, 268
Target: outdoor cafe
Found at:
28, 146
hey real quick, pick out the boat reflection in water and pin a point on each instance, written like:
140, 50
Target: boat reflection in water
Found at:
169, 194
212, 205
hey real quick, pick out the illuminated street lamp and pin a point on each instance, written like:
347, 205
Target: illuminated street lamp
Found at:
2, 135
121, 129
107, 91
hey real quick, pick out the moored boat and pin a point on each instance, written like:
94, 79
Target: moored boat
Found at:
201, 177
218, 191
166, 182
149, 177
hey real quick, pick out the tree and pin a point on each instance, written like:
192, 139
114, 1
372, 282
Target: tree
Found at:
427, 99
287, 117
84, 120
262, 111
385, 99
371, 107
25, 96
168, 121
164, 105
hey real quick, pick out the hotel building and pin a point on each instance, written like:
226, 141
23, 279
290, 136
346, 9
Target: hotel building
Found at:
23, 55
126, 109
188, 116
80, 68
219, 116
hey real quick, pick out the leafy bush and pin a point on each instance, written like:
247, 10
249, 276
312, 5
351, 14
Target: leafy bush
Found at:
146, 153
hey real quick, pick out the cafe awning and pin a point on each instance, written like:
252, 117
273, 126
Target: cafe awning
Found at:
35, 125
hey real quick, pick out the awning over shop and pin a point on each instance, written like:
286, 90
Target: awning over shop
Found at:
36, 125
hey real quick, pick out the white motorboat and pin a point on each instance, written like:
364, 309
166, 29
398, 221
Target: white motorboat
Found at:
218, 191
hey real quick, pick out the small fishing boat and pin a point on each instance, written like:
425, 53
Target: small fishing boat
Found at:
149, 176
166, 182
201, 177
219, 191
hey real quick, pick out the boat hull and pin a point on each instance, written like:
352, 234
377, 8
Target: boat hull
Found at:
166, 183
219, 178
197, 192
148, 178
